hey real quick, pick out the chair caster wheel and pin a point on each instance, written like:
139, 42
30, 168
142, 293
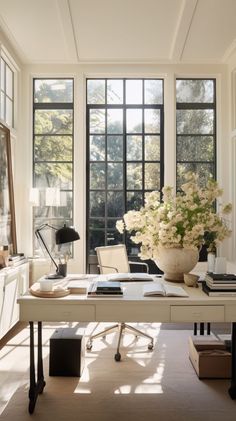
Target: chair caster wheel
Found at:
89, 346
117, 357
150, 346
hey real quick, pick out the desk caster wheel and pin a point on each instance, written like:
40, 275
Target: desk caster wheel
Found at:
89, 346
150, 346
117, 357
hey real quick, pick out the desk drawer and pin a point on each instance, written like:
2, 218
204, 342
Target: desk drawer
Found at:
197, 313
56, 313
134, 312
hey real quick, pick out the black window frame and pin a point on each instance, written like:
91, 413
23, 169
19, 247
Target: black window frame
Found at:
198, 106
91, 260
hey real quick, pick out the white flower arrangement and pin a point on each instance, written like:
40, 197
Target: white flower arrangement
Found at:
185, 220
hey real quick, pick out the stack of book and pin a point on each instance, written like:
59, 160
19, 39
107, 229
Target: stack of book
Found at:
217, 284
106, 288
17, 259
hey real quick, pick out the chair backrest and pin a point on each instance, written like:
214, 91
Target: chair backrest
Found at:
114, 257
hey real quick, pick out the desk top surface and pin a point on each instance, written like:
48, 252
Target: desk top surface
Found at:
132, 292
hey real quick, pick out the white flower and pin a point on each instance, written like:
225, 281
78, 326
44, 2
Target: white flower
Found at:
186, 220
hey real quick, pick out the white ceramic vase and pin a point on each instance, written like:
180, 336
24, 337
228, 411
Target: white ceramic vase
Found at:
174, 262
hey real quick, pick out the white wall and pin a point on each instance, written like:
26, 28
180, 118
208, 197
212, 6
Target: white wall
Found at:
80, 72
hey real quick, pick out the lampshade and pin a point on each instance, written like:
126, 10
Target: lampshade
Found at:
66, 235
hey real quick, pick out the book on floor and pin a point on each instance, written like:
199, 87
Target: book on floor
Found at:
165, 290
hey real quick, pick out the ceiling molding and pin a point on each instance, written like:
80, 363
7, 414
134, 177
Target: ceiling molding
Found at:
182, 29
229, 51
66, 22
9, 36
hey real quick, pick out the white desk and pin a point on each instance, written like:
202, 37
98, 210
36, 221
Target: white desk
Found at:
131, 307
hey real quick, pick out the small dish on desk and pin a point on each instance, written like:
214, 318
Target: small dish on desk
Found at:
56, 292
191, 280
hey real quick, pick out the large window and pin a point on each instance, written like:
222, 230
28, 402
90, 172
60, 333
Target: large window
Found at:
7, 93
53, 152
196, 128
125, 153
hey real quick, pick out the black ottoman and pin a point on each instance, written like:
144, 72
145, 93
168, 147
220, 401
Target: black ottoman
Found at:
66, 353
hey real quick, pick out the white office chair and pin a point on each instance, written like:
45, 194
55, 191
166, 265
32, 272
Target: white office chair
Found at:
114, 259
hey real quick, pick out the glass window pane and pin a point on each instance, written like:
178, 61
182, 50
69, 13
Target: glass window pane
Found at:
53, 121
134, 120
2, 106
96, 238
97, 176
53, 175
115, 91
114, 237
151, 121
134, 200
152, 176
152, 148
95, 223
134, 91
195, 148
9, 82
9, 112
97, 148
134, 176
3, 68
97, 121
53, 148
97, 203
153, 91
115, 204
134, 148
53, 90
66, 205
96, 91
114, 148
195, 121
115, 121
195, 90
115, 176
147, 194
205, 171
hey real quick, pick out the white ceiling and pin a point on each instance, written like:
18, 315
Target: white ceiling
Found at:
145, 31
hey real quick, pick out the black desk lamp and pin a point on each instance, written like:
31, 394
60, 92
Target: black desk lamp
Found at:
63, 235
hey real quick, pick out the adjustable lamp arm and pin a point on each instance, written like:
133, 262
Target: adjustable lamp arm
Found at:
39, 237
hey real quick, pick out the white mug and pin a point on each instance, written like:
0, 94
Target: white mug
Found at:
46, 284
220, 265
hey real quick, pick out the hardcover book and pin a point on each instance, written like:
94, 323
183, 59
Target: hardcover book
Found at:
99, 289
218, 292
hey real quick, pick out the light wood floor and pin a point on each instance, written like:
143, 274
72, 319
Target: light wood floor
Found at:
159, 385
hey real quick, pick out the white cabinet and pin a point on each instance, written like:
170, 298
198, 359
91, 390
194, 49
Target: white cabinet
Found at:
13, 283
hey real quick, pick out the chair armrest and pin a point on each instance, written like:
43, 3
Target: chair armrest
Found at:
108, 267
140, 263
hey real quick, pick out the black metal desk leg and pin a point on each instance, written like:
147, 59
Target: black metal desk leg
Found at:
232, 389
35, 388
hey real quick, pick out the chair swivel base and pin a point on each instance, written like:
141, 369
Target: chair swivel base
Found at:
120, 327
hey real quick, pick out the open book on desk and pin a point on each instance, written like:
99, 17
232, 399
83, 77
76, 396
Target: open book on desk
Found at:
129, 277
164, 290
